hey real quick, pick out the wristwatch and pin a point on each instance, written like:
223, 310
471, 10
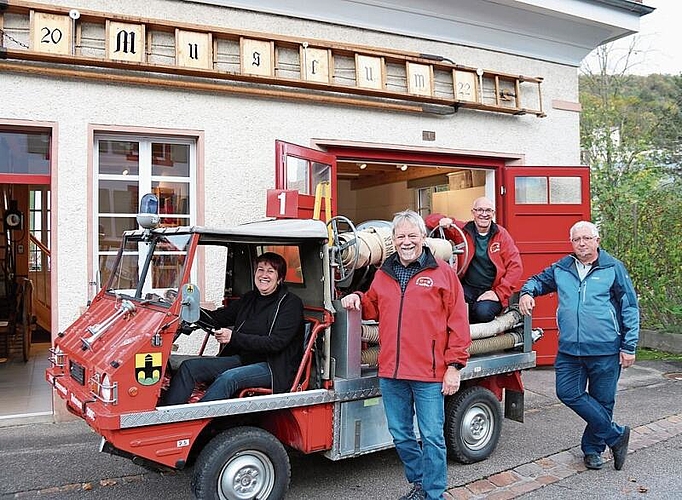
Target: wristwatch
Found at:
459, 366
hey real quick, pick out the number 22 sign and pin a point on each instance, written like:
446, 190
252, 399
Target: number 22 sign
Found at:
282, 203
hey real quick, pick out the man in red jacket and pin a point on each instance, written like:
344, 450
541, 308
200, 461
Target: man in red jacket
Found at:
424, 339
493, 268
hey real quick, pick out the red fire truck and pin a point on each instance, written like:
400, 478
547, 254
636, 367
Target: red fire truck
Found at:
111, 364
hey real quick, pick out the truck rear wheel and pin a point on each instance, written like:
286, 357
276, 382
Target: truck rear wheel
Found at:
242, 463
473, 421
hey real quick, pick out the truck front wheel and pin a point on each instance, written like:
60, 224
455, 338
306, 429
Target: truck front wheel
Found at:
242, 463
473, 421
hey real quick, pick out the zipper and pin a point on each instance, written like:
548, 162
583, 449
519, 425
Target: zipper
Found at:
433, 358
272, 325
399, 332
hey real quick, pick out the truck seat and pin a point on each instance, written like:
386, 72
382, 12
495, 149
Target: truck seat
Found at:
312, 327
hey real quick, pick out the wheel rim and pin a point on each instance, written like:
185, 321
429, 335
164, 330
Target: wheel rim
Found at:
249, 475
477, 427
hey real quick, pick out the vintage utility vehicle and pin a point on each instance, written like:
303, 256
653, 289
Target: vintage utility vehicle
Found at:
111, 365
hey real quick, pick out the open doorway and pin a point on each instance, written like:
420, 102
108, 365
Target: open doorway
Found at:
372, 190
25, 273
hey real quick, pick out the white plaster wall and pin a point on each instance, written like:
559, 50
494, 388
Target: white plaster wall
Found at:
240, 132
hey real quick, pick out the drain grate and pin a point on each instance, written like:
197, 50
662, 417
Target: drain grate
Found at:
673, 375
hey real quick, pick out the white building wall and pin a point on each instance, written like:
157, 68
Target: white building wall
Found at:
240, 132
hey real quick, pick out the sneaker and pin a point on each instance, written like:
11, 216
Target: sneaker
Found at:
416, 493
593, 461
620, 449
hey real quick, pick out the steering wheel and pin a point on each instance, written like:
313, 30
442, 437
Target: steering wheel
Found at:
205, 322
461, 249
339, 250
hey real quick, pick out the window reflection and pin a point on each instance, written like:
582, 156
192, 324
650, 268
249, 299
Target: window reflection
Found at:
24, 152
297, 175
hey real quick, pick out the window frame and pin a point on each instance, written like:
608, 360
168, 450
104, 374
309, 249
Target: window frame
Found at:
145, 182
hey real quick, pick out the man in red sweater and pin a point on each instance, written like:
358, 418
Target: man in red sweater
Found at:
493, 267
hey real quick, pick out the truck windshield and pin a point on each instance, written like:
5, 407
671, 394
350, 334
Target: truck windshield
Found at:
147, 267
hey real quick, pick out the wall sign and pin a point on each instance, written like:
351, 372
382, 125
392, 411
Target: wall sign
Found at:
282, 203
290, 67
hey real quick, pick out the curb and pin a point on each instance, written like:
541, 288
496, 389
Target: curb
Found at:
534, 475
663, 341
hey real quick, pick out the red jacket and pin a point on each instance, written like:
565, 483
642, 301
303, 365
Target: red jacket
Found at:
501, 250
423, 330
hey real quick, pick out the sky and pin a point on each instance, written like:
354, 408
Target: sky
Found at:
659, 41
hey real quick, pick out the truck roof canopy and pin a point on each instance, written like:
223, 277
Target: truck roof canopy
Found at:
294, 229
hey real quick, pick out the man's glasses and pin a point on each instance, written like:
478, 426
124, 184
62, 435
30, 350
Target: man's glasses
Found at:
486, 211
586, 239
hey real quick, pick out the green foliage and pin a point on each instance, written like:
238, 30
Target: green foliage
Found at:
631, 131
654, 355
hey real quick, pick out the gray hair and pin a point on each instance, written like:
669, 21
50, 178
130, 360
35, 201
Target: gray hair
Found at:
410, 217
584, 224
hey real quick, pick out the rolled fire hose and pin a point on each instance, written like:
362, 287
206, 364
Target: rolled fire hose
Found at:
502, 323
375, 245
370, 333
502, 342
370, 356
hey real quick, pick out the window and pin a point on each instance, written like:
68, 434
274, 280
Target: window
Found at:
127, 168
39, 226
24, 152
544, 190
305, 175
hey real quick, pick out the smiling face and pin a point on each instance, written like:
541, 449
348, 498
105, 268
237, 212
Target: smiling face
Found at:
409, 242
266, 278
483, 212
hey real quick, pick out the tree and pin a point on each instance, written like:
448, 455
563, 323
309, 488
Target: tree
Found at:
631, 129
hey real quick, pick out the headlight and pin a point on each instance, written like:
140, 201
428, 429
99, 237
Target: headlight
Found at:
104, 389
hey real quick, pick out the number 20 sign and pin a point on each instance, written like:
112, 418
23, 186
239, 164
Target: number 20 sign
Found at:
282, 203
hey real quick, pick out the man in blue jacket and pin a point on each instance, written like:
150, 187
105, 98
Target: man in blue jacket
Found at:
598, 320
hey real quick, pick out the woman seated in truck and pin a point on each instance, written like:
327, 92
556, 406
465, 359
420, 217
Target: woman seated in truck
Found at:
263, 349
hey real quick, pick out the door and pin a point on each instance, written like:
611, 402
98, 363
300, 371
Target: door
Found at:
540, 206
309, 172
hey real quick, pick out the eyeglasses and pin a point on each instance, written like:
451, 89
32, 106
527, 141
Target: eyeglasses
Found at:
586, 239
486, 211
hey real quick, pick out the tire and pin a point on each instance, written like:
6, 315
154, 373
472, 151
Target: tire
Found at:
242, 463
473, 421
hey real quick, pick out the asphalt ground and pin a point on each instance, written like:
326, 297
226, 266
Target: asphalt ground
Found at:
536, 459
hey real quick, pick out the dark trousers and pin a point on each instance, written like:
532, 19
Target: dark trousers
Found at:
587, 385
480, 311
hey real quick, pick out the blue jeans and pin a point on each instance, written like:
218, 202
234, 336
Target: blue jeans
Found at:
425, 464
225, 373
480, 311
236, 379
587, 385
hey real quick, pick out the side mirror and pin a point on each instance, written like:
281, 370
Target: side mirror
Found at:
189, 310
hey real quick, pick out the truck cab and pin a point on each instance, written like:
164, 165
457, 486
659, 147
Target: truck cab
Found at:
112, 364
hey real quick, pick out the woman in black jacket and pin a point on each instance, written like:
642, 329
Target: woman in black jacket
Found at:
264, 347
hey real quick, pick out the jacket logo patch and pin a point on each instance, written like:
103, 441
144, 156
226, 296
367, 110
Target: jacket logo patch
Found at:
424, 281
495, 247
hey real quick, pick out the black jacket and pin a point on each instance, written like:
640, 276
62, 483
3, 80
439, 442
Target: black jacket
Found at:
266, 328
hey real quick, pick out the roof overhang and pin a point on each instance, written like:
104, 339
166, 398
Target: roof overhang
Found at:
561, 31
